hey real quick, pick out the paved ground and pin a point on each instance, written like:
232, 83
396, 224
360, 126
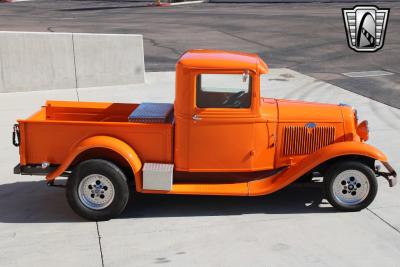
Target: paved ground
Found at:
293, 227
306, 37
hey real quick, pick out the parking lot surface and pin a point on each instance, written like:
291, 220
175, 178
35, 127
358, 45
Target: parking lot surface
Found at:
293, 227
305, 44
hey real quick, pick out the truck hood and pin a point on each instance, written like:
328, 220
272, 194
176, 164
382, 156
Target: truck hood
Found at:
301, 111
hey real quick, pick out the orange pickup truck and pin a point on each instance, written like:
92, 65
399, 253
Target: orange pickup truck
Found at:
216, 139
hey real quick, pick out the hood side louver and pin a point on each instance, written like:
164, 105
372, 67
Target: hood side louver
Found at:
300, 140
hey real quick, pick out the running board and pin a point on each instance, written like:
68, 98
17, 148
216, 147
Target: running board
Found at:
233, 189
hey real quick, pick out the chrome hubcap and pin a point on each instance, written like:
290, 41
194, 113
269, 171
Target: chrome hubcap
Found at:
350, 187
96, 191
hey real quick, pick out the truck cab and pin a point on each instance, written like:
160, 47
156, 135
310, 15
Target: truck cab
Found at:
217, 138
222, 119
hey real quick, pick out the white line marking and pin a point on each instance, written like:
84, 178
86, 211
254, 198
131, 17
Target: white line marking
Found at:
372, 73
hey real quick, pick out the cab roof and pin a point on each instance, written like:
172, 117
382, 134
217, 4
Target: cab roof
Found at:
222, 60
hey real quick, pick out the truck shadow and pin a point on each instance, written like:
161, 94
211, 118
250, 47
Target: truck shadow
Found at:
34, 202
297, 198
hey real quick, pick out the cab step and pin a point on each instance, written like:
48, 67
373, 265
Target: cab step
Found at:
158, 176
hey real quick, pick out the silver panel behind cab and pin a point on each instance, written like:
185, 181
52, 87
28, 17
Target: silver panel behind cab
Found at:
158, 176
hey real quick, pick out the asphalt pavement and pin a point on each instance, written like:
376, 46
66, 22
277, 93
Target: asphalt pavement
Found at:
306, 37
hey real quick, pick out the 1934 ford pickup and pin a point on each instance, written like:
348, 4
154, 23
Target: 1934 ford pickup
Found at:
216, 139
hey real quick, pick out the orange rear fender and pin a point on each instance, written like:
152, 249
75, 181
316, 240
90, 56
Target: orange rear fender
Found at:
293, 172
106, 142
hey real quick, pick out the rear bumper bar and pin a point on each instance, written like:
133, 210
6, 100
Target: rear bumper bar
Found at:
35, 169
390, 176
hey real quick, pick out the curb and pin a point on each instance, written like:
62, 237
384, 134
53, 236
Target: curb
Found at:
176, 4
13, 1
187, 3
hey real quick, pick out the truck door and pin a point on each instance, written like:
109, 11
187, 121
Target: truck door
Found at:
221, 135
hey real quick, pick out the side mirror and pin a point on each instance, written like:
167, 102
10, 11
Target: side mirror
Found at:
245, 76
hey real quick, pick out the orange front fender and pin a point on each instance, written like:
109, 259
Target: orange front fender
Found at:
107, 142
293, 172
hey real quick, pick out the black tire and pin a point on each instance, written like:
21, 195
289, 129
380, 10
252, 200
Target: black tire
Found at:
114, 174
339, 168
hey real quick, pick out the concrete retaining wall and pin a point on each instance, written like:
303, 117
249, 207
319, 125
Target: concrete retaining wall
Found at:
45, 61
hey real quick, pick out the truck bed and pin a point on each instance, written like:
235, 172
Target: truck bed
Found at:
50, 134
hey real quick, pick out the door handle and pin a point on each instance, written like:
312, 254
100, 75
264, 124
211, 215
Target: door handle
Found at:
271, 140
196, 117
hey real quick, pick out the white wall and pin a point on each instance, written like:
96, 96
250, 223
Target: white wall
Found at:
31, 61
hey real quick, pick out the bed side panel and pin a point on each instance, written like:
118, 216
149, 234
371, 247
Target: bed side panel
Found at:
52, 141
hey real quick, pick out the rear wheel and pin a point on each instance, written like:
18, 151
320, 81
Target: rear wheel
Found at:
97, 190
350, 186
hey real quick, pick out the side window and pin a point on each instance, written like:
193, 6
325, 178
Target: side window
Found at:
223, 90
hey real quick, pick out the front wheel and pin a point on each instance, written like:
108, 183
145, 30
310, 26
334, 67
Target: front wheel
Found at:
97, 190
350, 185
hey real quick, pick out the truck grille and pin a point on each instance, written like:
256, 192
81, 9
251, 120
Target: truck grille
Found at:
299, 140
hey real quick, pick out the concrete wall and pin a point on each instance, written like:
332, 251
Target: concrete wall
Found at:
108, 59
45, 61
36, 61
